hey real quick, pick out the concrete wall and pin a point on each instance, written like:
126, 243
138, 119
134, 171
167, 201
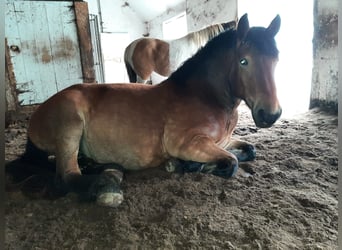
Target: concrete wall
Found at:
200, 14
324, 89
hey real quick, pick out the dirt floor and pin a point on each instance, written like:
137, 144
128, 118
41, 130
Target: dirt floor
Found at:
287, 201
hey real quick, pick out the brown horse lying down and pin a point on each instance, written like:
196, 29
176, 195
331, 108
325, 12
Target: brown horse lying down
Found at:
187, 119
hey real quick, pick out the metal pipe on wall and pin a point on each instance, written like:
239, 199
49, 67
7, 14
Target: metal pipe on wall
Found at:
100, 14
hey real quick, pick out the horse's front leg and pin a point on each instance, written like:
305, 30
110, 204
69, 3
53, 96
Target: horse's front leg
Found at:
243, 150
204, 155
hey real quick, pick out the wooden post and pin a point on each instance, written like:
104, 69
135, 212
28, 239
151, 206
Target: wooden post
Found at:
84, 38
12, 102
11, 93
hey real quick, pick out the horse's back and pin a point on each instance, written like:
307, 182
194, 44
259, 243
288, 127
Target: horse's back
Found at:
111, 122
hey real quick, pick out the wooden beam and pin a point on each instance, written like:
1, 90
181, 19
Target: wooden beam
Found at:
11, 99
84, 38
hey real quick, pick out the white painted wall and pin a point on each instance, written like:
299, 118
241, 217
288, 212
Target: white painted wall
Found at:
156, 25
200, 14
118, 18
120, 26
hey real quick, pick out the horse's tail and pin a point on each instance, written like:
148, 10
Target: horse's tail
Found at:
131, 73
32, 173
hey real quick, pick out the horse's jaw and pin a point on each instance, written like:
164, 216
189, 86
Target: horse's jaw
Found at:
264, 117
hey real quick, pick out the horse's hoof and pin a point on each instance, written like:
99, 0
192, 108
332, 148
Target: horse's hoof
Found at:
117, 174
192, 166
223, 169
109, 199
247, 153
174, 165
250, 152
170, 166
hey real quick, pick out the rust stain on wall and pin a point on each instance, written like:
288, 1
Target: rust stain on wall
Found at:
61, 49
65, 49
46, 57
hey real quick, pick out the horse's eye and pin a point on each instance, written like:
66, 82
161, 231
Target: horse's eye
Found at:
243, 62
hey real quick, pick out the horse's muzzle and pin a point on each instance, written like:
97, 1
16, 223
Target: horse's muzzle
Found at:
264, 119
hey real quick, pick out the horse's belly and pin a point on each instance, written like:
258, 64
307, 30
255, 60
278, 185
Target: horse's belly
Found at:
133, 156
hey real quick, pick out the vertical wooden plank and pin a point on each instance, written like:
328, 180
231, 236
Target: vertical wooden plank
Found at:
83, 31
30, 90
71, 44
13, 20
44, 71
64, 44
11, 97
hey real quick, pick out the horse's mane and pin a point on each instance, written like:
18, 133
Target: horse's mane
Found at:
195, 64
201, 37
256, 37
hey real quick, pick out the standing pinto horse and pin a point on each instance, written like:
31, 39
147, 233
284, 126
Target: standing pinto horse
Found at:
187, 119
147, 55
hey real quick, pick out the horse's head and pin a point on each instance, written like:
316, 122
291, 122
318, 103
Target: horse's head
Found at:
256, 57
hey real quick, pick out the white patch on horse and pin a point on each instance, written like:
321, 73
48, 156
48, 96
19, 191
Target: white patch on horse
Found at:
129, 53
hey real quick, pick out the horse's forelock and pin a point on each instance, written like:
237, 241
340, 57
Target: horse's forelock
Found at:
262, 41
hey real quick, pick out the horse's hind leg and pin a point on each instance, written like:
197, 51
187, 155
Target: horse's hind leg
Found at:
244, 151
104, 187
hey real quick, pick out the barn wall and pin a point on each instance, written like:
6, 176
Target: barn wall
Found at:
117, 17
200, 14
119, 24
44, 48
324, 90
155, 26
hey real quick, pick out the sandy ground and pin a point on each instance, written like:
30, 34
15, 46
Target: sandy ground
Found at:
289, 201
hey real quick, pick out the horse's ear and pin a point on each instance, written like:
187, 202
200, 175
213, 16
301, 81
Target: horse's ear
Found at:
243, 27
274, 26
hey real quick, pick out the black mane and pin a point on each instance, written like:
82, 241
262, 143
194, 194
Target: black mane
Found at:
196, 63
257, 37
